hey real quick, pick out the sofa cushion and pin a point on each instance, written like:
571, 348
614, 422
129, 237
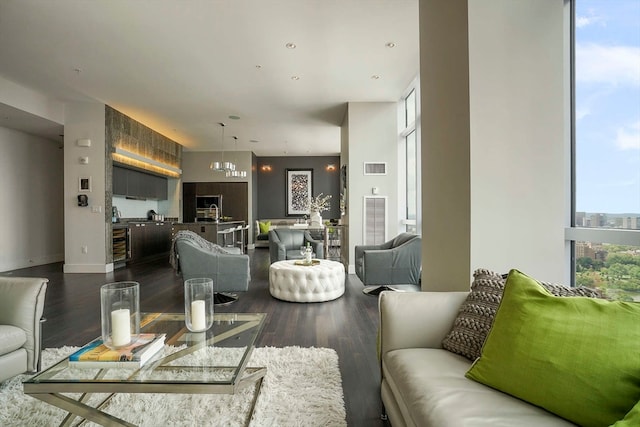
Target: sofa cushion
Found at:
632, 419
476, 314
264, 226
11, 338
431, 390
576, 357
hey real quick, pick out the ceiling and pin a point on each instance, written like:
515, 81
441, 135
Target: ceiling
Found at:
183, 66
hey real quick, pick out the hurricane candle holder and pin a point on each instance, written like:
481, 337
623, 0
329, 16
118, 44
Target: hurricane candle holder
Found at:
120, 313
198, 304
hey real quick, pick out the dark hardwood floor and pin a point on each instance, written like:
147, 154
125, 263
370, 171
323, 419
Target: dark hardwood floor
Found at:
347, 324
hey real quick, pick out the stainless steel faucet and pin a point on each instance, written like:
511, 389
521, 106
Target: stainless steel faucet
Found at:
217, 217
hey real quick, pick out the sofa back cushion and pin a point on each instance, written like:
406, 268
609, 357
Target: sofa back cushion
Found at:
476, 314
576, 357
290, 238
264, 226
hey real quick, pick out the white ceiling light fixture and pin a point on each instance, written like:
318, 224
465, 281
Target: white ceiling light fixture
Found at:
290, 45
222, 166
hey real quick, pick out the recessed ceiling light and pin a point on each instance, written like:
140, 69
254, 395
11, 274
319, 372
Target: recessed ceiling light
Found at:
375, 77
258, 66
290, 45
295, 77
232, 117
390, 45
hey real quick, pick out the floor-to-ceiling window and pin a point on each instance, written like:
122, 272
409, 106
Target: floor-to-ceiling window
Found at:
605, 231
410, 159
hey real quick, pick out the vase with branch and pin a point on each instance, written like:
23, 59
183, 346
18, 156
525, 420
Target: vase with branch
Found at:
316, 206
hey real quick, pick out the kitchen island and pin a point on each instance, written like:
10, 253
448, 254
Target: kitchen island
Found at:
217, 232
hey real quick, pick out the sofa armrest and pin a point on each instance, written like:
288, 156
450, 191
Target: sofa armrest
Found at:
22, 305
416, 319
277, 250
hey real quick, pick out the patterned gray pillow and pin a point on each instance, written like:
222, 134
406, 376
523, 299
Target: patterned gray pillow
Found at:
477, 312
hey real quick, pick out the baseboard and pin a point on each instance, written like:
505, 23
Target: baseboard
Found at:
87, 268
26, 263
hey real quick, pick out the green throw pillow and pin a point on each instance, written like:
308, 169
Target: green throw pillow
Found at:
576, 357
264, 226
632, 419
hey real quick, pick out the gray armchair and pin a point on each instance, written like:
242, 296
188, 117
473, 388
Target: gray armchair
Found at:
396, 262
21, 308
194, 257
284, 243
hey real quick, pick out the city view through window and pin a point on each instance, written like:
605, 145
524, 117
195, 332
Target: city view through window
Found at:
607, 142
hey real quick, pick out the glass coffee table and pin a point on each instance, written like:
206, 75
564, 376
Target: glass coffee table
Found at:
212, 362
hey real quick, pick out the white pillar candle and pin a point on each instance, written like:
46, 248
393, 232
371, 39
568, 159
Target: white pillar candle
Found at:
120, 329
198, 317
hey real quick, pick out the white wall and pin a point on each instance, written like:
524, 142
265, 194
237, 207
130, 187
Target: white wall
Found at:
494, 186
519, 188
85, 226
31, 192
444, 82
372, 137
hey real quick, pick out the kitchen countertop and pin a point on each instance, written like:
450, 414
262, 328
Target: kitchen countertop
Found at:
210, 222
125, 223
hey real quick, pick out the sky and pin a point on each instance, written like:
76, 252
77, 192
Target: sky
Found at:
607, 106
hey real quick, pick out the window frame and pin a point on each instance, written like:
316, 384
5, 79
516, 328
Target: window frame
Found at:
573, 234
404, 131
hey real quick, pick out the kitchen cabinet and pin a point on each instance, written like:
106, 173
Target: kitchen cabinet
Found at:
149, 240
189, 202
119, 181
136, 184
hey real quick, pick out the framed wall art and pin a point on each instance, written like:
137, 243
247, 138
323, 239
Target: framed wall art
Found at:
299, 191
84, 184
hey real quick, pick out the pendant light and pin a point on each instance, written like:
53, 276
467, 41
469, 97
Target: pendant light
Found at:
222, 166
236, 173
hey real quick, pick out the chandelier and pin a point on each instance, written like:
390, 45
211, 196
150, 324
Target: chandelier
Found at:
222, 166
236, 173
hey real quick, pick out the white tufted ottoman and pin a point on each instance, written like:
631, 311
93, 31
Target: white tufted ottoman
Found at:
301, 283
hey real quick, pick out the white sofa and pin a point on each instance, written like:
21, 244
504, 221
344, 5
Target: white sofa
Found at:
424, 385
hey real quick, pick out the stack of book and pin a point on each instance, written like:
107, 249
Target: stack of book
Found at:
97, 355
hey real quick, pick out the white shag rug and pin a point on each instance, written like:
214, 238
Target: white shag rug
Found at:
302, 387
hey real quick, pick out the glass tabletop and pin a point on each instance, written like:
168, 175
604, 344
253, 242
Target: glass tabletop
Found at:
218, 356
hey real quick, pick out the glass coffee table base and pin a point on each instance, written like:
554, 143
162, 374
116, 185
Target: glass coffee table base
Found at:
78, 408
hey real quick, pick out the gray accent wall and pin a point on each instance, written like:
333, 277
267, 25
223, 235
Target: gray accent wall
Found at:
272, 196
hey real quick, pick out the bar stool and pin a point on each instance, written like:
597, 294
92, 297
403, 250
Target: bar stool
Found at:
225, 233
240, 242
